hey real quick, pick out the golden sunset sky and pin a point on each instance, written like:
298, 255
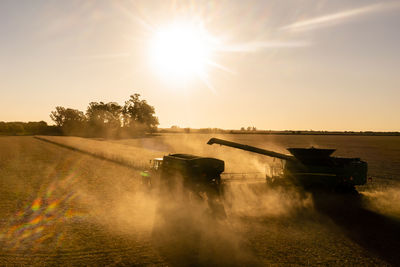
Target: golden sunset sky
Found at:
301, 64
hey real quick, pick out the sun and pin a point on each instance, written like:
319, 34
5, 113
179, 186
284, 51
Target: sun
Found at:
181, 51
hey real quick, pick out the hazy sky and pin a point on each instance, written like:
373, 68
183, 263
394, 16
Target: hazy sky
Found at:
298, 64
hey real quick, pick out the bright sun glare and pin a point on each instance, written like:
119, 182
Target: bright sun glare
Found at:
181, 51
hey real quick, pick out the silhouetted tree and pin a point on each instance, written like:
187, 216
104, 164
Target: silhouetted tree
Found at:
15, 128
71, 121
3, 127
105, 119
34, 127
138, 116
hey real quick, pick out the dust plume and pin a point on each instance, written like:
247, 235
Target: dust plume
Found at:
182, 229
385, 201
236, 161
180, 226
260, 200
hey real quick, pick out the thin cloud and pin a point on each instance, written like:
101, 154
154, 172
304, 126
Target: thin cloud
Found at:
339, 17
256, 46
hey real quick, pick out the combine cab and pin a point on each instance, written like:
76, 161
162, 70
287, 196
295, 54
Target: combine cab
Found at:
313, 168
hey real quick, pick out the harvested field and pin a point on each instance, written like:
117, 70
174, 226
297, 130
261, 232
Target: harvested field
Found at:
57, 207
63, 207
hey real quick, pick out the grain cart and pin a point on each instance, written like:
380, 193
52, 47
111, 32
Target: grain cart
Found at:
313, 168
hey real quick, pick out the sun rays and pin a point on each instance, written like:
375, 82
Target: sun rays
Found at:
185, 43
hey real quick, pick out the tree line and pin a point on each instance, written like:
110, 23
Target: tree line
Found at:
109, 120
28, 128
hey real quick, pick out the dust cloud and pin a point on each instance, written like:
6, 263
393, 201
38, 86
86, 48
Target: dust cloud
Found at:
385, 201
183, 228
259, 200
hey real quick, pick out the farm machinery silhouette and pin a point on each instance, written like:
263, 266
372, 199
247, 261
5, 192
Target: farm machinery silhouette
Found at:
311, 168
200, 177
188, 177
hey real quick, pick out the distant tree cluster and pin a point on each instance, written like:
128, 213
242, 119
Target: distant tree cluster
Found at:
109, 120
27, 128
249, 128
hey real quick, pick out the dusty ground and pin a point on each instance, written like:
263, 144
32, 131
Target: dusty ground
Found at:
61, 207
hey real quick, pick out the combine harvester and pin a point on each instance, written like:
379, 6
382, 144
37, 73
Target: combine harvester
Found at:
199, 177
311, 168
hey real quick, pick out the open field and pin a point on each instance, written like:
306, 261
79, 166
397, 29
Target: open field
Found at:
63, 207
59, 207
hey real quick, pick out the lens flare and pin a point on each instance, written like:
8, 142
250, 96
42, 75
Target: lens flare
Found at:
35, 224
36, 204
